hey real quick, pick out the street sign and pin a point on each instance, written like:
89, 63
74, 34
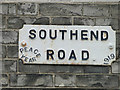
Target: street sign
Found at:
56, 44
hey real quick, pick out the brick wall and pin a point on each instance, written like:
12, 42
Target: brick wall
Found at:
16, 75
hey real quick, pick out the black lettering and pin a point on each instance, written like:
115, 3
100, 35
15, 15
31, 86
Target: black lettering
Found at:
50, 54
21, 50
35, 51
61, 52
92, 34
83, 34
38, 55
25, 59
42, 34
85, 53
31, 49
63, 33
104, 35
32, 34
53, 37
72, 55
75, 34
22, 56
30, 60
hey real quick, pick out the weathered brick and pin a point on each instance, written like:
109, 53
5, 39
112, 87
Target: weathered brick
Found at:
55, 9
117, 53
3, 80
28, 68
42, 21
27, 8
2, 21
61, 21
47, 69
63, 80
119, 23
107, 22
0, 37
62, 69
35, 88
114, 10
116, 67
105, 81
96, 10
18, 22
96, 69
118, 39
9, 66
21, 88
2, 51
8, 9
84, 21
4, 8
12, 51
12, 9
31, 80
9, 37
76, 69
15, 23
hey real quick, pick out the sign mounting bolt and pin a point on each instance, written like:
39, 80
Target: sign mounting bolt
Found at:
110, 46
23, 44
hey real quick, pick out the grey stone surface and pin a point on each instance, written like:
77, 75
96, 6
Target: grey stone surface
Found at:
15, 23
117, 53
18, 22
61, 21
106, 81
42, 21
97, 69
38, 88
9, 66
107, 22
119, 22
4, 8
114, 10
8, 9
31, 80
118, 39
96, 10
0, 37
2, 21
54, 69
12, 9
9, 37
76, 69
23, 68
116, 67
47, 69
55, 9
2, 51
3, 80
27, 8
62, 80
12, 51
62, 69
84, 21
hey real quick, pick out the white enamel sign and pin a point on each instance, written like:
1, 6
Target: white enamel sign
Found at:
55, 44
